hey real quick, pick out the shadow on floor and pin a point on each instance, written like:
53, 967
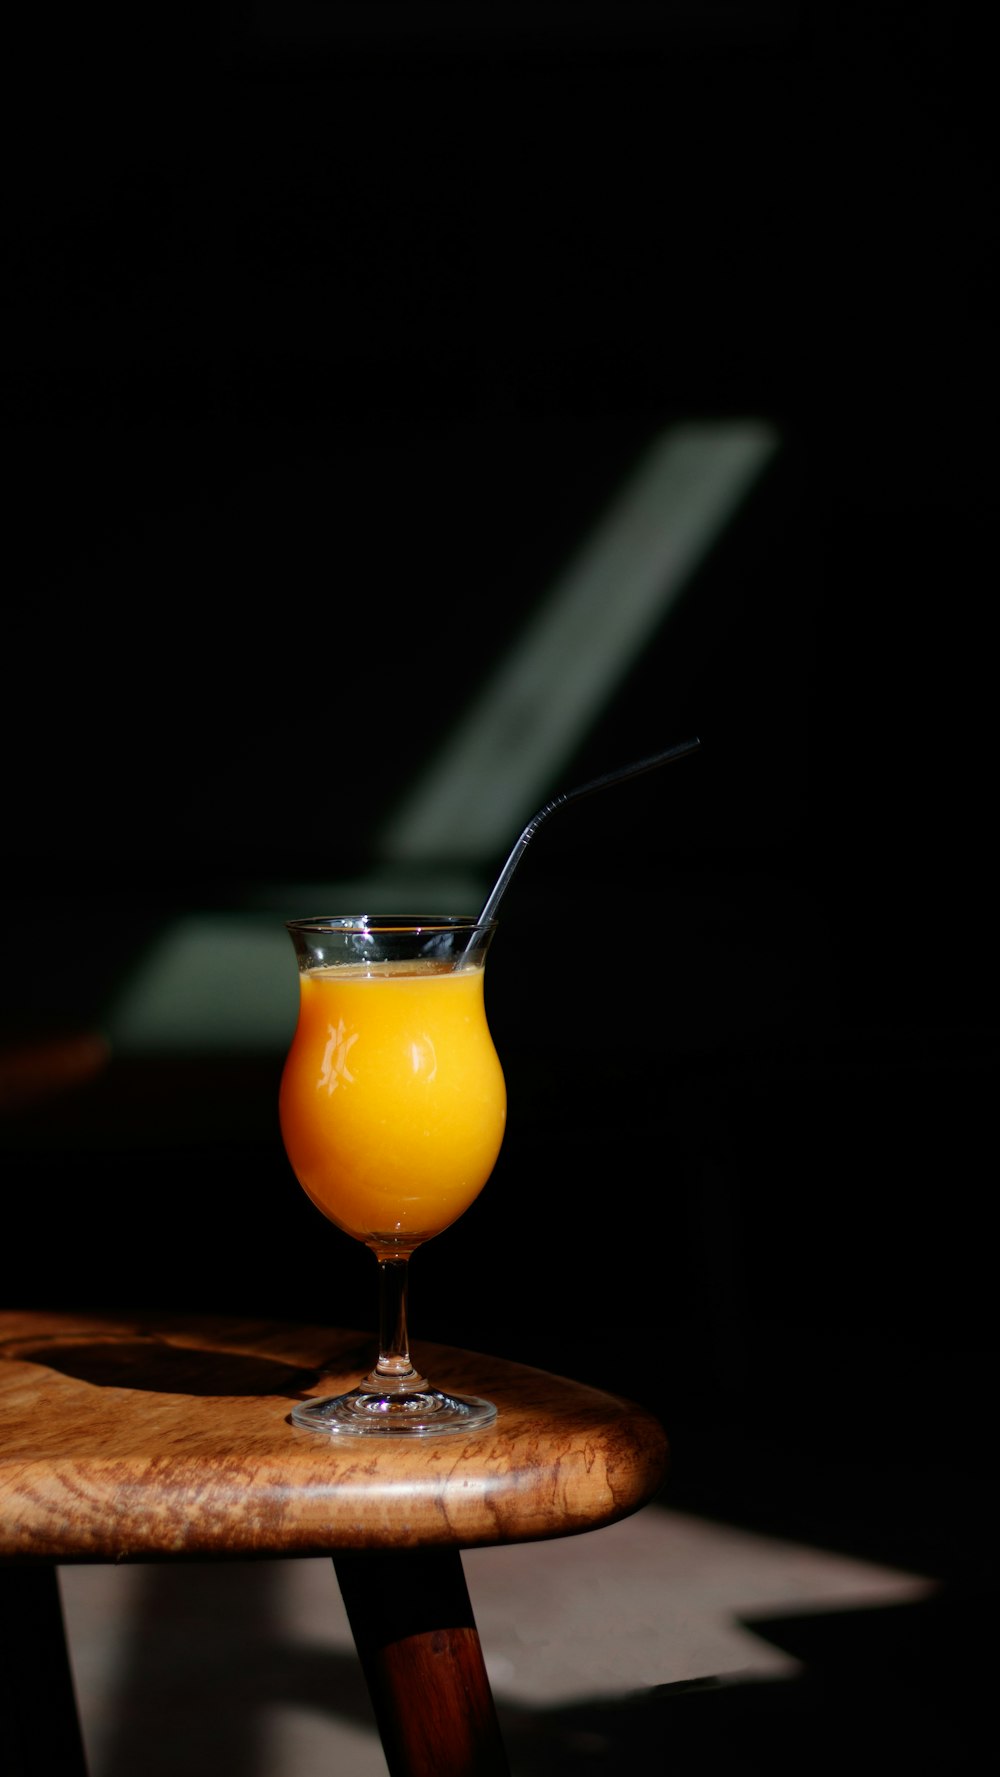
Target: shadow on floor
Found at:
909, 1687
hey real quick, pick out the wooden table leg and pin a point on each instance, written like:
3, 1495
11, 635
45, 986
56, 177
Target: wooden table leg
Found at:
419, 1649
39, 1726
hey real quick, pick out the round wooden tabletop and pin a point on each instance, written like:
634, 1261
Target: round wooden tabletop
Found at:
131, 1437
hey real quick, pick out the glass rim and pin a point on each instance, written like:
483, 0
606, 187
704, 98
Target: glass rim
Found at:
382, 923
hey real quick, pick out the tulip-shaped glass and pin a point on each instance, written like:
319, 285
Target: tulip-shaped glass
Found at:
392, 1108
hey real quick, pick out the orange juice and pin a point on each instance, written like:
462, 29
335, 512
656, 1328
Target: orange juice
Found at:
392, 1098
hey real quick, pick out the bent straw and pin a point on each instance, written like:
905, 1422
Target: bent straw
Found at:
597, 783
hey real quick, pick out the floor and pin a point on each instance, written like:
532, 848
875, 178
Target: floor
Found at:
651, 1642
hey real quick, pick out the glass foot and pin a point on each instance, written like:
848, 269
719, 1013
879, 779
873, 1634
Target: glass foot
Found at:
365, 1413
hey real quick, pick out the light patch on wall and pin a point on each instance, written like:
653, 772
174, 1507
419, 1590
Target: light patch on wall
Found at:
226, 982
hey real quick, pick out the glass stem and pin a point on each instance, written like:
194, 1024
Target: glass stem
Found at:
394, 1373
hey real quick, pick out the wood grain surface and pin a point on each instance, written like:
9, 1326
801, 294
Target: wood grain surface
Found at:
134, 1438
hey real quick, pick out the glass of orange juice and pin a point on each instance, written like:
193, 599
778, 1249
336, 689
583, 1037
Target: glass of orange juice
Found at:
392, 1108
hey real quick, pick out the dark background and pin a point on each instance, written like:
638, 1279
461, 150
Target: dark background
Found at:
329, 331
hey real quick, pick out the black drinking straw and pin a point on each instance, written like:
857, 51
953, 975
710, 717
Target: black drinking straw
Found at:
597, 783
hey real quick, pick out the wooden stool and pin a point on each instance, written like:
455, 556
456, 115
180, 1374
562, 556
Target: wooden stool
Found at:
160, 1439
